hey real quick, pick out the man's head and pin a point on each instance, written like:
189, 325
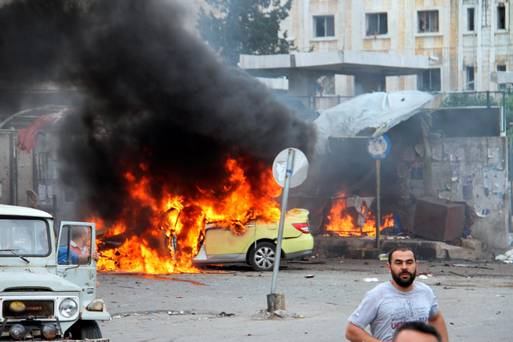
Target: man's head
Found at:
416, 332
402, 265
79, 235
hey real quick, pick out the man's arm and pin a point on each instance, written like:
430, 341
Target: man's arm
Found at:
356, 334
439, 323
62, 256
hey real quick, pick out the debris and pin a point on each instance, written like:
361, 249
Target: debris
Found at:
280, 313
423, 277
173, 312
383, 257
370, 280
277, 314
225, 314
506, 258
460, 274
308, 276
474, 266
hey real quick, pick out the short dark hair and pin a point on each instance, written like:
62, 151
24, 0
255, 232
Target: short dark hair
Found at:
78, 232
420, 327
400, 248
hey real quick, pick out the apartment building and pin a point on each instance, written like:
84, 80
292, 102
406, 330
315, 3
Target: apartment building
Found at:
466, 41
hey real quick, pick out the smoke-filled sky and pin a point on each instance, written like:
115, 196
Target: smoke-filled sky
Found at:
154, 94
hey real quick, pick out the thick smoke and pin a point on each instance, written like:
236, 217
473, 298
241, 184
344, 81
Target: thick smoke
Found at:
157, 100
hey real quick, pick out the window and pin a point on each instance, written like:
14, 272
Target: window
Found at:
428, 21
45, 167
324, 26
469, 73
75, 245
470, 19
376, 24
501, 67
24, 237
429, 80
501, 17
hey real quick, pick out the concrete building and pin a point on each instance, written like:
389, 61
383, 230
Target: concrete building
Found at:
447, 45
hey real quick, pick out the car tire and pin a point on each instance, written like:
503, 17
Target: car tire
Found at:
85, 330
262, 257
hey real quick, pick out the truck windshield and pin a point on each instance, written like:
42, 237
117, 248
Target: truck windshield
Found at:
26, 237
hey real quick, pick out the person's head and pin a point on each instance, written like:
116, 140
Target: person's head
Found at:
402, 265
416, 332
79, 235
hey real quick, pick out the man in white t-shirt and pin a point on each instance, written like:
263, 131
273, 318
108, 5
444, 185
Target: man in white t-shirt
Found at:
391, 304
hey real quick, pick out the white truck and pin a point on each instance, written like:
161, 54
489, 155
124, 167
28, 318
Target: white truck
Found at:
47, 290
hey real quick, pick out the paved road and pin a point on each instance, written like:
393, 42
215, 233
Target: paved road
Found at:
226, 304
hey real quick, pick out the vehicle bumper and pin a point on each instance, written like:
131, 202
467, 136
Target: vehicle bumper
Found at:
299, 255
298, 247
95, 315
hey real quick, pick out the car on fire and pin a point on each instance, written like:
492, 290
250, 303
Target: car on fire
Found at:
44, 296
256, 245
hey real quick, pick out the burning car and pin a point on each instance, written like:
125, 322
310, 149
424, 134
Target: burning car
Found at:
47, 292
256, 244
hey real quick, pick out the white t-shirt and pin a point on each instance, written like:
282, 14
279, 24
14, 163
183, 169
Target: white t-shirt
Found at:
386, 308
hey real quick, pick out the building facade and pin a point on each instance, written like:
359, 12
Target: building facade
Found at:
465, 41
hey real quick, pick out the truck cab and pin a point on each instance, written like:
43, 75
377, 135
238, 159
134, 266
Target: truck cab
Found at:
47, 278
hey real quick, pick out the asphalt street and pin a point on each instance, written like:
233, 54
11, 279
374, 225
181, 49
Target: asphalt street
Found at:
227, 304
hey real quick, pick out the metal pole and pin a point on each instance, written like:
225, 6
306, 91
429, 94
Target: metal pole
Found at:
504, 114
284, 197
13, 167
378, 201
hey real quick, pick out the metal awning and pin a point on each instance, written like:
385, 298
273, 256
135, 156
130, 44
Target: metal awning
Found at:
339, 62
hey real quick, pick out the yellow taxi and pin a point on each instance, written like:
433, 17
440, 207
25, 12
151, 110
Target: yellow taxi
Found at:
256, 246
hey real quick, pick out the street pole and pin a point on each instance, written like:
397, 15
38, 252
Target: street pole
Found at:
284, 199
378, 201
277, 301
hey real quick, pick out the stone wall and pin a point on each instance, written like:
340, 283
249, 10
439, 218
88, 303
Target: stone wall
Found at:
473, 170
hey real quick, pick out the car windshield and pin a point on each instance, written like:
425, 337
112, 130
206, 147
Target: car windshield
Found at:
23, 237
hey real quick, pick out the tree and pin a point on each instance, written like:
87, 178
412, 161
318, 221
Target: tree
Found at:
234, 27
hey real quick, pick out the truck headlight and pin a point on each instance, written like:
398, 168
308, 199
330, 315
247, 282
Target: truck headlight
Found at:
68, 307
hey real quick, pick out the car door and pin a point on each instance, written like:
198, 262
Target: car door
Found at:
75, 255
222, 241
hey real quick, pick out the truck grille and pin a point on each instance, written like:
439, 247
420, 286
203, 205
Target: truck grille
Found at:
27, 308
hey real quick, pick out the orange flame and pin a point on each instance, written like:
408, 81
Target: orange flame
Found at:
361, 223
177, 223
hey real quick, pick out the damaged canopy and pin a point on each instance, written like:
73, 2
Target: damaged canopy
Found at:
367, 115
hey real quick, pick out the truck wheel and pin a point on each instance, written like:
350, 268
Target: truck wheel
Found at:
262, 257
86, 329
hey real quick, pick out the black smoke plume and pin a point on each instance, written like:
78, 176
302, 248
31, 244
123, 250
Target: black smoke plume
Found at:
157, 101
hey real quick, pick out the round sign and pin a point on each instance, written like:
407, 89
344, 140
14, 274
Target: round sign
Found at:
379, 147
297, 172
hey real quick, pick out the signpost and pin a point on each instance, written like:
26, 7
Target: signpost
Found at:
290, 169
379, 148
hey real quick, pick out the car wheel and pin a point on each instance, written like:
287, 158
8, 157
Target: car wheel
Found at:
262, 257
86, 330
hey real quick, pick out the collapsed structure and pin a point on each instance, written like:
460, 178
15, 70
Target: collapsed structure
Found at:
445, 178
